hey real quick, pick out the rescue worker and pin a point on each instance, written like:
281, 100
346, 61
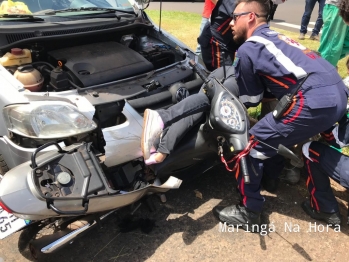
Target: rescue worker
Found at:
321, 162
216, 36
267, 60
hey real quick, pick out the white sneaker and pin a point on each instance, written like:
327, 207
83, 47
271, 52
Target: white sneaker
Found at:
152, 129
301, 36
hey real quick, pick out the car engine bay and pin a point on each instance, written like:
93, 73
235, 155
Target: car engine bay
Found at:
136, 63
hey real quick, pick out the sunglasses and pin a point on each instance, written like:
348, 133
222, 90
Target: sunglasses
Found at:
236, 15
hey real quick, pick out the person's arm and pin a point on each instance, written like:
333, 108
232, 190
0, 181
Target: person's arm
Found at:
250, 87
214, 1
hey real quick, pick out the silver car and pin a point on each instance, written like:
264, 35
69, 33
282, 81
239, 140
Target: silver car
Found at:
84, 70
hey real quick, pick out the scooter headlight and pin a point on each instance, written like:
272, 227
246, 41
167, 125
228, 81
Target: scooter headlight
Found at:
46, 120
229, 114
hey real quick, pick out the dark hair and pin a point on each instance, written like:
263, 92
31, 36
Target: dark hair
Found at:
263, 6
344, 10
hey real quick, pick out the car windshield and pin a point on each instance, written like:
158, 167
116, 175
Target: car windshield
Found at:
52, 7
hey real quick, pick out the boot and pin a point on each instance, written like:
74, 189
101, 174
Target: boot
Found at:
330, 218
270, 184
238, 215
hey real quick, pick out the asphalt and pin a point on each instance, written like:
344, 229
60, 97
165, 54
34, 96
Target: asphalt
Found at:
184, 229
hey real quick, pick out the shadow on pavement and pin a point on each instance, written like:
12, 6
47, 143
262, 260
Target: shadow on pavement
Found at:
187, 214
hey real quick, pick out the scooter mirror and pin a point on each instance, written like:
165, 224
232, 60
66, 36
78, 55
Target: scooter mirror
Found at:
284, 151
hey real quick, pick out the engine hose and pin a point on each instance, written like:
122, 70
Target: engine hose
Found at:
163, 96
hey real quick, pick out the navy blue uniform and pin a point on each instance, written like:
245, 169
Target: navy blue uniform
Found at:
271, 62
338, 135
217, 36
322, 162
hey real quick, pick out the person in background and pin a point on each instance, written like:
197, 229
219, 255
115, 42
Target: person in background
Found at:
309, 7
273, 5
334, 42
216, 41
321, 162
206, 13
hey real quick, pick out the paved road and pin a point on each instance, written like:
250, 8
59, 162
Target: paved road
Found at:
185, 229
288, 16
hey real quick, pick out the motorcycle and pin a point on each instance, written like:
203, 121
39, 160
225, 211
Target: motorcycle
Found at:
71, 190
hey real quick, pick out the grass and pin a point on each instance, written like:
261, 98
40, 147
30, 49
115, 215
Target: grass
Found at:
185, 26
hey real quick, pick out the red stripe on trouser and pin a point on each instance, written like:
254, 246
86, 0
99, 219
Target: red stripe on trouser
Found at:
301, 103
312, 192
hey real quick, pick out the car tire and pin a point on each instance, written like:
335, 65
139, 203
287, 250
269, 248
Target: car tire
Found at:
3, 166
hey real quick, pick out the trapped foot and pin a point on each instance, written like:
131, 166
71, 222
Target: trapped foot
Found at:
329, 218
238, 215
152, 129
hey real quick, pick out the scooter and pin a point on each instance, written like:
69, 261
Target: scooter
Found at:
71, 190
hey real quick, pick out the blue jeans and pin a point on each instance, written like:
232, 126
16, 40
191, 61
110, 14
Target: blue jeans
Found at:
203, 23
309, 6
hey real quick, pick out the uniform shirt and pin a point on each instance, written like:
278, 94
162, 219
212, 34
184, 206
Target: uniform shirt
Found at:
271, 62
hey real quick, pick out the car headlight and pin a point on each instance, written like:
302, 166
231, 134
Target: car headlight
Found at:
229, 114
46, 120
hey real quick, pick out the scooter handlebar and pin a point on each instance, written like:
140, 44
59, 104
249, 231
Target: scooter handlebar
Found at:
198, 70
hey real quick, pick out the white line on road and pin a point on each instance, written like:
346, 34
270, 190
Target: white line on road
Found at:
295, 26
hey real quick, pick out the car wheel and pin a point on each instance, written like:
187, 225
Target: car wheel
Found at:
3, 166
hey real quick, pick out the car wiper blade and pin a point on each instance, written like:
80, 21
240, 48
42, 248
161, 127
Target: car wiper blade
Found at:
109, 10
30, 18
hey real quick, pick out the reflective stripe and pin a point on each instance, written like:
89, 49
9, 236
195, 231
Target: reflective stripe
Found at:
280, 56
256, 154
305, 150
251, 99
336, 136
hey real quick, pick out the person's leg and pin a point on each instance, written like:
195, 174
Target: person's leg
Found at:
204, 20
206, 48
322, 162
171, 136
155, 121
333, 36
189, 106
309, 6
247, 213
272, 168
174, 134
319, 21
